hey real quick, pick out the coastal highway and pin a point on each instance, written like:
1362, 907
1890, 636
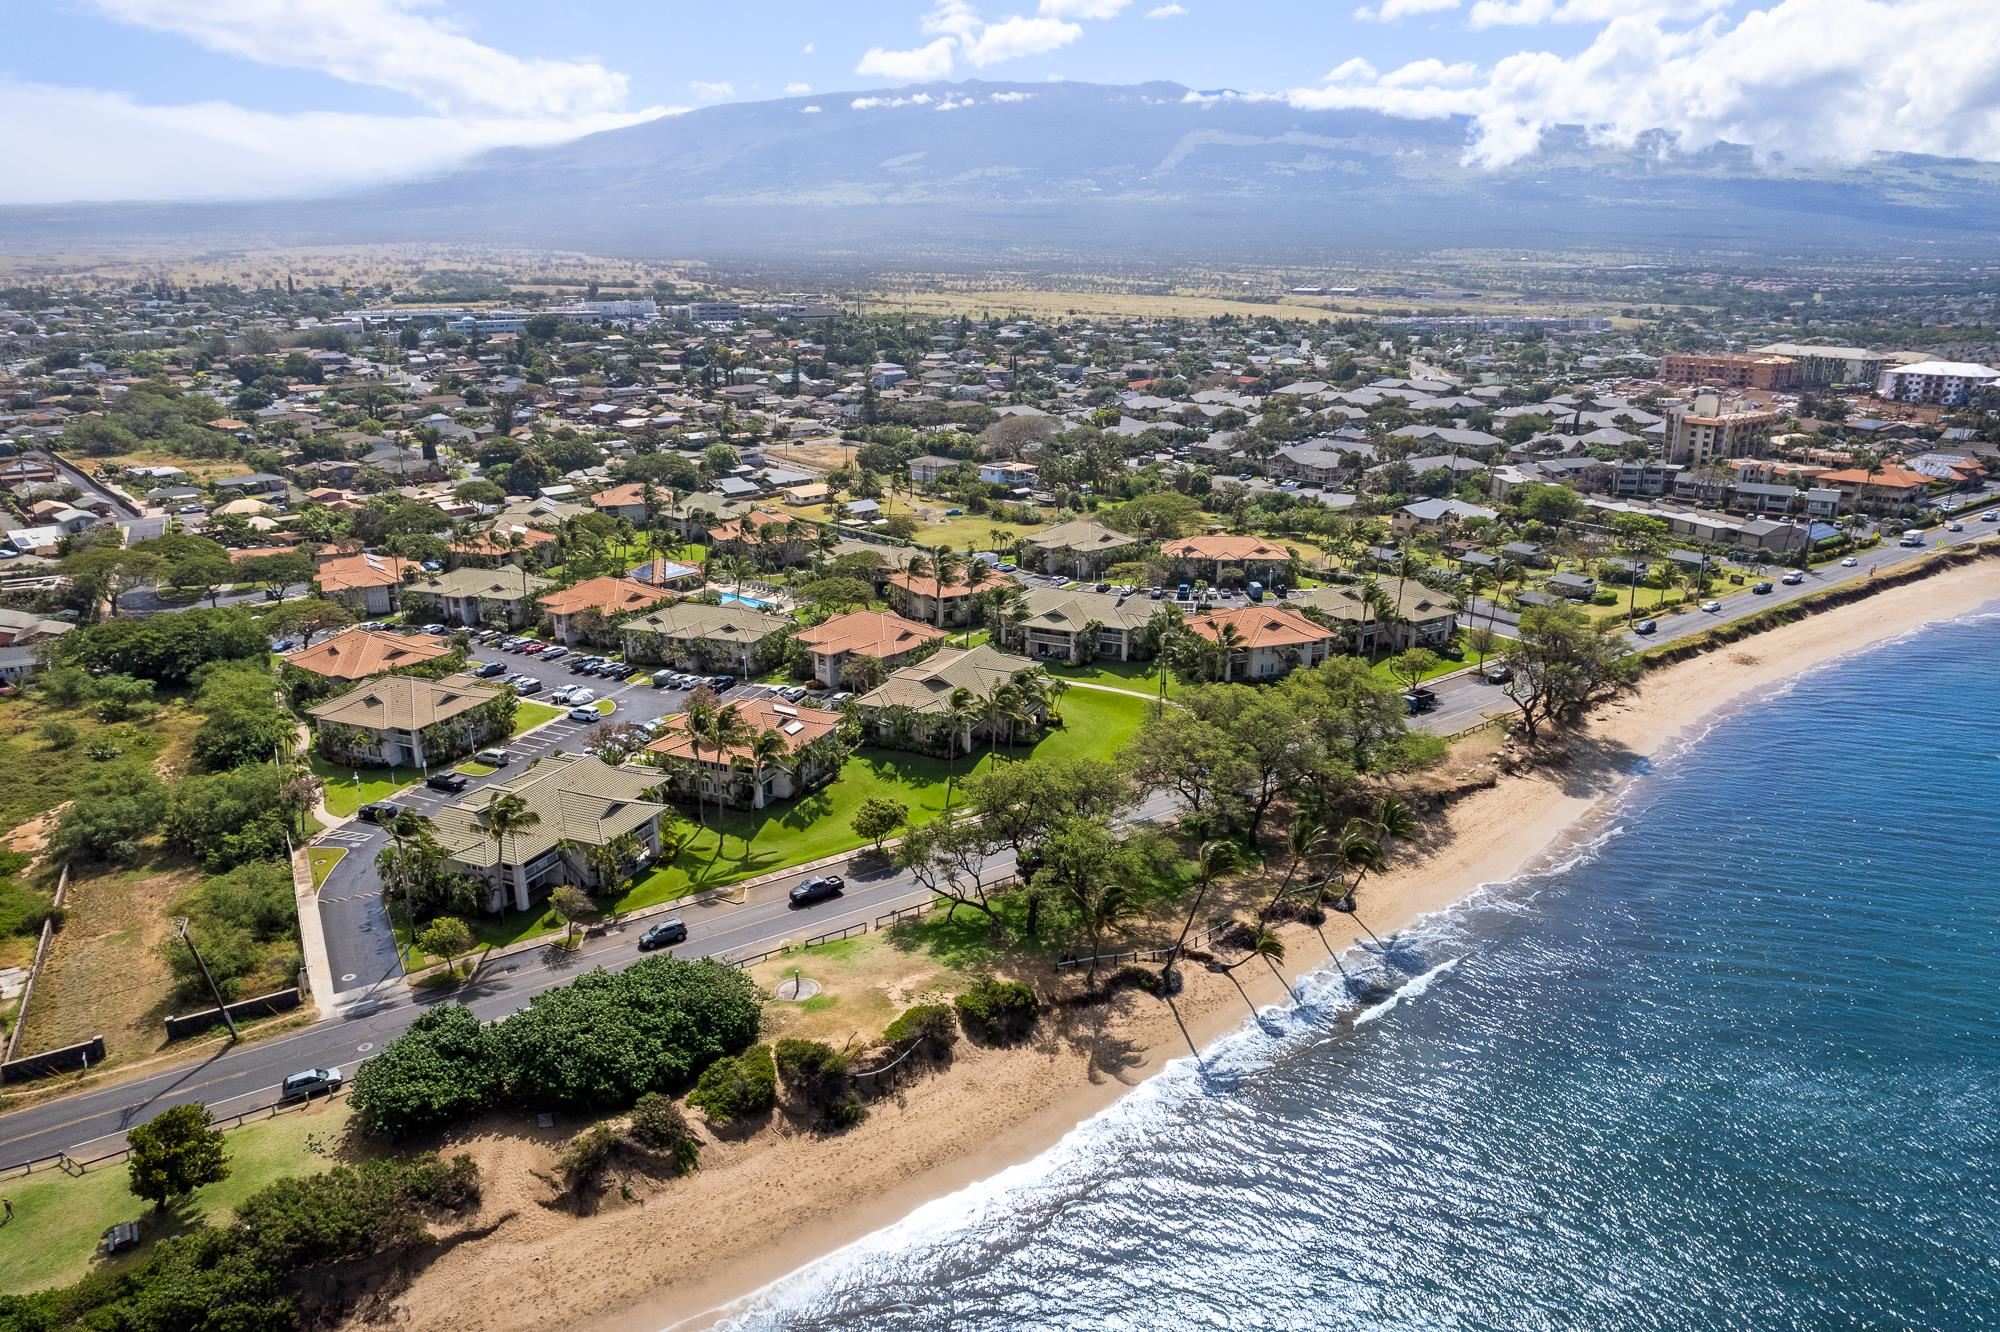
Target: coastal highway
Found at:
245, 1077
1465, 699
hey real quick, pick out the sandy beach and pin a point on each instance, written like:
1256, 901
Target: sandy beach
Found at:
762, 1207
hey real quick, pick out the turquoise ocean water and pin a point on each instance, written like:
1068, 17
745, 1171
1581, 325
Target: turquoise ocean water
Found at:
1735, 1066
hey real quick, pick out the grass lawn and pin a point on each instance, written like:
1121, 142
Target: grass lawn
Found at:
606, 706
528, 715
322, 859
42, 775
1118, 674
742, 844
58, 1219
343, 797
471, 769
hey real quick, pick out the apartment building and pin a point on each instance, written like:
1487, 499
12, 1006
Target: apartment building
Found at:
1710, 428
1774, 374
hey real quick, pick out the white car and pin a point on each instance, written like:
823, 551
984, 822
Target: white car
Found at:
582, 695
312, 1082
1711, 606
1850, 563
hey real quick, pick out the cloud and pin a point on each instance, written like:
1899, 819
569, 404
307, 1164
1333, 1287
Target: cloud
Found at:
1010, 97
807, 49
920, 65
1856, 77
1081, 9
1391, 10
94, 146
797, 89
1499, 13
1430, 73
1166, 12
712, 92
1192, 98
808, 110
953, 18
870, 103
385, 44
1016, 37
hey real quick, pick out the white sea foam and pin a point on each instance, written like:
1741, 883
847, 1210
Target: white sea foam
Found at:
1416, 989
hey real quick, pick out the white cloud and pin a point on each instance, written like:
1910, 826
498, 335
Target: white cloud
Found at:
1391, 10
1010, 97
808, 110
797, 89
1805, 79
807, 49
915, 66
1192, 98
712, 92
870, 103
953, 18
1166, 12
101, 146
1498, 13
385, 44
953, 104
1353, 70
1431, 73
1013, 38
1081, 9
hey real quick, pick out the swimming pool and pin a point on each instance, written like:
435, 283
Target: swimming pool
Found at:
738, 599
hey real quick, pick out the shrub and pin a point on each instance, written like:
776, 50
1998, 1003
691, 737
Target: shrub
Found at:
59, 733
1137, 978
821, 1078
658, 1124
933, 1025
999, 1011
586, 1156
737, 1088
442, 1069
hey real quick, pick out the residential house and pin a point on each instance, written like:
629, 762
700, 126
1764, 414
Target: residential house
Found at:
1077, 626
588, 610
21, 635
505, 543
1418, 617
1885, 483
1431, 515
1013, 475
253, 483
813, 755
1208, 556
358, 654
629, 502
1267, 641
919, 596
406, 721
1082, 548
888, 638
931, 468
909, 710
698, 637
579, 803
1577, 587
773, 538
364, 583
493, 598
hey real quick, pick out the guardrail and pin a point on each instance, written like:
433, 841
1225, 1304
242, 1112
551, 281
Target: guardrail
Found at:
831, 936
71, 1165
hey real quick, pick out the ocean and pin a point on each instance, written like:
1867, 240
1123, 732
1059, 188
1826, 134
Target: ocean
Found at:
1734, 1065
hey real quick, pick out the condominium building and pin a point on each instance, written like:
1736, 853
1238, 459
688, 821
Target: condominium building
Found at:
1820, 366
1943, 383
1709, 428
1776, 374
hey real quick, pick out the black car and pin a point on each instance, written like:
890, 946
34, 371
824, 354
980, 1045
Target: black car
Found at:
488, 669
454, 782
721, 682
817, 889
672, 930
379, 812
1499, 674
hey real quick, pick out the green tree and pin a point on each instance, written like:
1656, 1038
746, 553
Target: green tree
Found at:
175, 1153
443, 1068
1559, 662
877, 818
1413, 666
446, 937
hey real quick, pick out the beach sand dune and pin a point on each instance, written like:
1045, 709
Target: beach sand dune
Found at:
762, 1207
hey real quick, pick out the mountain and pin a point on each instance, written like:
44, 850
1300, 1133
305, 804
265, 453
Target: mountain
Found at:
994, 173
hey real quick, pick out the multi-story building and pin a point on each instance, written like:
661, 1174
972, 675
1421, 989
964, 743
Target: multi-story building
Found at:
1942, 383
1709, 428
1775, 374
1819, 366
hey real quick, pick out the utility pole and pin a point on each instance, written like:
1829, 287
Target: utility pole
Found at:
181, 933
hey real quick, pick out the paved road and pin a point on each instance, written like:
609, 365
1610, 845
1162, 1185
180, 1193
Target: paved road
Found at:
246, 1077
1465, 699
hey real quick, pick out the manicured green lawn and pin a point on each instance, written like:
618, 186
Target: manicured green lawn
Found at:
472, 769
321, 860
58, 1219
343, 797
742, 844
528, 715
1118, 674
606, 706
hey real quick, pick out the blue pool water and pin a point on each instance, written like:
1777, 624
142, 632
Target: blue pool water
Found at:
738, 599
1735, 1067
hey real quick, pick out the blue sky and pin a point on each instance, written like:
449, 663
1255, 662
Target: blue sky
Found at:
241, 98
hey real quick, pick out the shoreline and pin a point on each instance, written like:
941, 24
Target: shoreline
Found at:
761, 1210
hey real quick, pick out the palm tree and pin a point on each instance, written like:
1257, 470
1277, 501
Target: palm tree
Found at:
696, 718
1228, 641
768, 749
722, 729
945, 566
1211, 859
961, 711
507, 816
1365, 844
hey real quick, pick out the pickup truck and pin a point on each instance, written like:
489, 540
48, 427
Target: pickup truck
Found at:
1420, 700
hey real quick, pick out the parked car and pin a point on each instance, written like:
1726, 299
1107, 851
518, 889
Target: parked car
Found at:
1761, 588
721, 682
817, 889
557, 651
581, 695
284, 645
486, 670
1711, 606
1008, 566
452, 782
274, 594
381, 811
661, 679
1646, 627
435, 629
493, 758
563, 695
534, 649
190, 508
792, 693
835, 700
528, 685
672, 930
588, 716
312, 1082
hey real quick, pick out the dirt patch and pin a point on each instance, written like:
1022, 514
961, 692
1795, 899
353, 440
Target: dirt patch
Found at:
105, 976
1744, 658
32, 838
817, 457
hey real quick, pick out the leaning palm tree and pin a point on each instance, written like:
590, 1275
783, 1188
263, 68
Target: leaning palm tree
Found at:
961, 711
1365, 844
1211, 859
507, 816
